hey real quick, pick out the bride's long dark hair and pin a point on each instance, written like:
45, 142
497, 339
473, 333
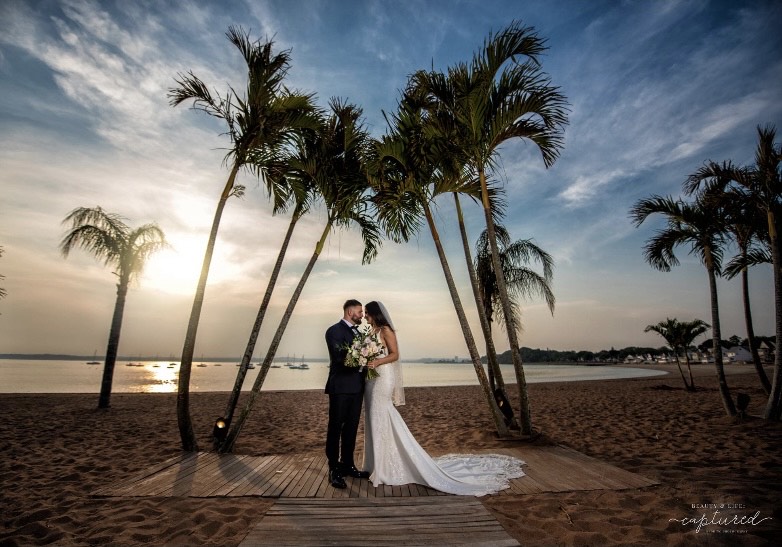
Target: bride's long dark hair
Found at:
373, 310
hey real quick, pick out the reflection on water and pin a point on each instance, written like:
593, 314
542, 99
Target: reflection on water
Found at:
161, 377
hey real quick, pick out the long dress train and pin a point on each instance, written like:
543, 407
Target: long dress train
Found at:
395, 458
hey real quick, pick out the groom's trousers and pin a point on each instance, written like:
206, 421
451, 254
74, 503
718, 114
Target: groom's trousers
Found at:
344, 416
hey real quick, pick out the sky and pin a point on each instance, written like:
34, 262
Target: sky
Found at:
655, 89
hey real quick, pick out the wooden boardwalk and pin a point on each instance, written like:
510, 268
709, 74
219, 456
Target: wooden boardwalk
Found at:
308, 511
207, 474
449, 520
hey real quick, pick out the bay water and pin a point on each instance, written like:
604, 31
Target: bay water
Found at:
54, 376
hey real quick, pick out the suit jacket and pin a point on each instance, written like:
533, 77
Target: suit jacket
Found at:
341, 379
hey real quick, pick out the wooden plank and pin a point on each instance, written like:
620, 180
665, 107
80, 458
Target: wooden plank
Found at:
261, 478
548, 469
254, 466
452, 520
123, 487
282, 476
163, 483
301, 478
227, 468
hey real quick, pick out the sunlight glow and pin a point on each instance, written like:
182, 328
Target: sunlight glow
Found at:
176, 270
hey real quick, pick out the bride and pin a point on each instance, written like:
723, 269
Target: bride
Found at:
390, 450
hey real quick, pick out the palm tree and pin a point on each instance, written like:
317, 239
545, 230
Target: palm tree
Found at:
259, 124
334, 163
745, 226
109, 239
761, 184
407, 171
698, 225
493, 100
522, 281
496, 381
680, 335
302, 197
3, 292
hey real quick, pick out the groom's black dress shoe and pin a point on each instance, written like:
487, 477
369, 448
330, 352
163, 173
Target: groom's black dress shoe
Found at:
336, 479
355, 473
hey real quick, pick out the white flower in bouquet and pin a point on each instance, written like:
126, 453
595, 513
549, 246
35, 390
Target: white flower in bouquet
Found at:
366, 347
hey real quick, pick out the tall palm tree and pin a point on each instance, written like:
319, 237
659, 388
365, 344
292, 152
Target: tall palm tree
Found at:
762, 186
334, 163
109, 239
260, 123
495, 99
744, 224
680, 335
442, 137
408, 170
3, 292
697, 225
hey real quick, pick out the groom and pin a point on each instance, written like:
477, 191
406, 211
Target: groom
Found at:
345, 388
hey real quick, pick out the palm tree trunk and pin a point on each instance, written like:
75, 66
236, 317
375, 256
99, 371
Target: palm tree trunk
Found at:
753, 347
727, 400
250, 349
186, 364
679, 365
495, 374
113, 344
499, 422
230, 440
774, 405
524, 410
689, 368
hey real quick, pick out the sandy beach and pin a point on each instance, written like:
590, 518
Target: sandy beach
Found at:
58, 449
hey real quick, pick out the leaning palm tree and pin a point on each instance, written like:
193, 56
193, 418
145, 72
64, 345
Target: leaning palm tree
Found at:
680, 335
260, 124
407, 169
495, 99
333, 161
522, 281
762, 186
109, 239
302, 196
698, 225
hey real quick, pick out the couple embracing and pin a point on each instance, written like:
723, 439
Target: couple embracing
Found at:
392, 456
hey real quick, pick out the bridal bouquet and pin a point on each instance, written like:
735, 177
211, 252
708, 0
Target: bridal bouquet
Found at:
365, 347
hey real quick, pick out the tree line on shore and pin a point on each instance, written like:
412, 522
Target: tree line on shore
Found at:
537, 355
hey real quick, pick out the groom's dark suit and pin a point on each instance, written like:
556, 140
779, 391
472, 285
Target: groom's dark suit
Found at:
345, 387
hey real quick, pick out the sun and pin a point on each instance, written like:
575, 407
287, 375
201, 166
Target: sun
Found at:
175, 270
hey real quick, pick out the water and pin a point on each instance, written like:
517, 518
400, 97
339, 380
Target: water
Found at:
51, 376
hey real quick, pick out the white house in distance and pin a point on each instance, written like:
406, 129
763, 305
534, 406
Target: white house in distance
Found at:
738, 354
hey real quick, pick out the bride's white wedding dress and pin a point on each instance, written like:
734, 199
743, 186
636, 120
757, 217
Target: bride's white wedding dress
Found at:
395, 458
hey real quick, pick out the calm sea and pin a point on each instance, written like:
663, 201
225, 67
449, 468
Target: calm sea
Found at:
51, 376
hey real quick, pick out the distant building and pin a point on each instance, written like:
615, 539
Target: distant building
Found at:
738, 354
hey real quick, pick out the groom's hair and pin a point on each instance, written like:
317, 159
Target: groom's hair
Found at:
352, 303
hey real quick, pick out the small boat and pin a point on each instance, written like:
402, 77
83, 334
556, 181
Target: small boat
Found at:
276, 366
201, 365
93, 362
250, 365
